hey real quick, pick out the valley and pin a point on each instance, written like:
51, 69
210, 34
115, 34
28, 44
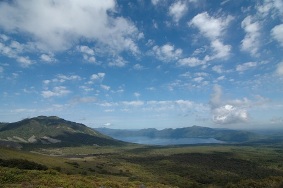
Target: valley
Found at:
145, 166
87, 158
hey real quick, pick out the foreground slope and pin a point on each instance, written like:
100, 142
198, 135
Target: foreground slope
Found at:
228, 166
43, 130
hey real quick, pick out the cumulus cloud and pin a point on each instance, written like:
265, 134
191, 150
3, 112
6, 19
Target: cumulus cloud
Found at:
63, 78
155, 2
85, 49
177, 10
273, 7
250, 43
226, 112
118, 62
56, 92
14, 49
213, 28
133, 103
209, 26
60, 78
167, 52
83, 100
246, 66
99, 76
138, 67
105, 87
279, 69
277, 34
88, 53
107, 124
24, 61
221, 51
49, 58
57, 25
218, 69
191, 62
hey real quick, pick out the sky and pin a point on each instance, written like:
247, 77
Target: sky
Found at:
143, 63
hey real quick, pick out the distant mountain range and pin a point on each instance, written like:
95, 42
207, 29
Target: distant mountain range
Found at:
52, 130
226, 135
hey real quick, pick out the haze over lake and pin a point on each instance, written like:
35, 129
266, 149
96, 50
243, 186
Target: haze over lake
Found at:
166, 141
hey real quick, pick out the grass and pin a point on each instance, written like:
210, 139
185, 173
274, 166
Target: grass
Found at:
136, 165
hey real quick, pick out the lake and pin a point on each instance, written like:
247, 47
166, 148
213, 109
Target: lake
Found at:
164, 141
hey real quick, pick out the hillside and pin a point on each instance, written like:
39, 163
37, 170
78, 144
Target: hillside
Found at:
187, 132
43, 130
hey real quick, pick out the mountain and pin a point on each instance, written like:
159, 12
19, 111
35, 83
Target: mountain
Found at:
226, 135
52, 130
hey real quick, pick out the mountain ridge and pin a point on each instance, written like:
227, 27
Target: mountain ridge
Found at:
226, 135
50, 130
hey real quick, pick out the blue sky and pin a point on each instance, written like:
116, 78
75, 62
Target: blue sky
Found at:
140, 64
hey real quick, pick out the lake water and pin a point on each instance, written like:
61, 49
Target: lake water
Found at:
164, 141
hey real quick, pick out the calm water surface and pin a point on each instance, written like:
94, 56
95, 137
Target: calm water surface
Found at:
164, 141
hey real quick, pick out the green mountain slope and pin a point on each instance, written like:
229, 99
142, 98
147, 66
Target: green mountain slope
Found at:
43, 130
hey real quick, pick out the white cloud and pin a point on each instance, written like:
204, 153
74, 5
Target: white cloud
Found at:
83, 100
251, 41
228, 114
118, 62
63, 78
133, 103
198, 79
56, 92
86, 50
156, 2
87, 99
24, 61
246, 66
209, 26
105, 87
46, 82
177, 10
277, 34
220, 78
167, 52
138, 67
47, 58
221, 51
273, 7
107, 124
278, 4
90, 59
213, 28
57, 25
218, 69
223, 112
88, 53
15, 50
191, 62
4, 37
279, 69
99, 76
136, 94
86, 88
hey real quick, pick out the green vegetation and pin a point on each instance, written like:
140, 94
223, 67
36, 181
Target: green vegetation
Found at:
50, 131
141, 166
59, 153
22, 164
